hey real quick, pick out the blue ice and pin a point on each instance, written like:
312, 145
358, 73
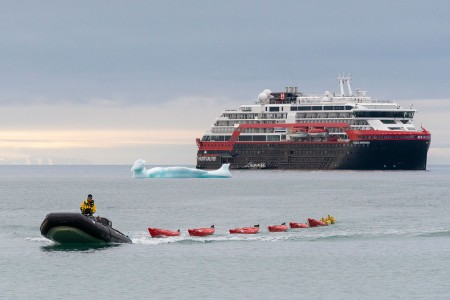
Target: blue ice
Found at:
140, 171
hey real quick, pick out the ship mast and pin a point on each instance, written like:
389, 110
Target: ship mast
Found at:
345, 79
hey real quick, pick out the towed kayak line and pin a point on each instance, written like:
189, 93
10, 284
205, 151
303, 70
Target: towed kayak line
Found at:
205, 231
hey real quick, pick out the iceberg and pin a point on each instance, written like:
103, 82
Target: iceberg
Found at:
140, 171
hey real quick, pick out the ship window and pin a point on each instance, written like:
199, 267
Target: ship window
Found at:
304, 108
381, 114
217, 138
348, 107
274, 108
293, 108
259, 138
273, 137
245, 138
316, 108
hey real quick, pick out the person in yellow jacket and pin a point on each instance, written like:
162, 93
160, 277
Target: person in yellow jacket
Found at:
87, 207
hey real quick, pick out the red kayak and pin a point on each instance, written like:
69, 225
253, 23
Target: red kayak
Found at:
315, 223
278, 228
245, 230
158, 232
298, 225
201, 231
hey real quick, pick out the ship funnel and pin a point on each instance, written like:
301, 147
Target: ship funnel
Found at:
291, 89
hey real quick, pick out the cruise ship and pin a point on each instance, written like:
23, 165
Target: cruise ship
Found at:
293, 130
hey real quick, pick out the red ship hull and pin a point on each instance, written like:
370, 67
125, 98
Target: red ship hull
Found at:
363, 150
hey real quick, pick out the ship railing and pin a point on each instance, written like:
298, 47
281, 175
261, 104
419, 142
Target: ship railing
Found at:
338, 99
222, 129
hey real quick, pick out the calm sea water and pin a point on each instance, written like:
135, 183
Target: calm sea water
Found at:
391, 240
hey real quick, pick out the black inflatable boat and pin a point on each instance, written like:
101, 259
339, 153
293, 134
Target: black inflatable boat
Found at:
75, 228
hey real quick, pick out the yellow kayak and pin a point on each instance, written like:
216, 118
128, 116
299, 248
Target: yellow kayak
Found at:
326, 221
331, 219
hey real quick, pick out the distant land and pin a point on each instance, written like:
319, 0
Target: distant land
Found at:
42, 161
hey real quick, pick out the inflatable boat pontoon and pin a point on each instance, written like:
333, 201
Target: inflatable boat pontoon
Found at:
75, 228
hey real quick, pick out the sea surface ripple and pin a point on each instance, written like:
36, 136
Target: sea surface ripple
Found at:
391, 239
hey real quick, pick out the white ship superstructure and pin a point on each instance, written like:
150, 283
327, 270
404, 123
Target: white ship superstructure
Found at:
358, 110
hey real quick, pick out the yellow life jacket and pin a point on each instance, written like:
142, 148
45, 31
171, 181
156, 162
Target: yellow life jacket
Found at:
88, 208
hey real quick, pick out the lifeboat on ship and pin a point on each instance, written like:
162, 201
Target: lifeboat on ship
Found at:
202, 231
76, 228
245, 230
278, 228
316, 223
298, 225
318, 132
298, 133
158, 232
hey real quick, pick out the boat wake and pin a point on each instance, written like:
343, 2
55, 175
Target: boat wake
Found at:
435, 233
188, 240
304, 235
39, 239
140, 171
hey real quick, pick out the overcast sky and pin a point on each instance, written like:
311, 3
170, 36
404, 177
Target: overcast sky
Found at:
108, 82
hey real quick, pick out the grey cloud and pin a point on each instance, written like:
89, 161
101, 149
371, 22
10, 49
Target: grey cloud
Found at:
139, 52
